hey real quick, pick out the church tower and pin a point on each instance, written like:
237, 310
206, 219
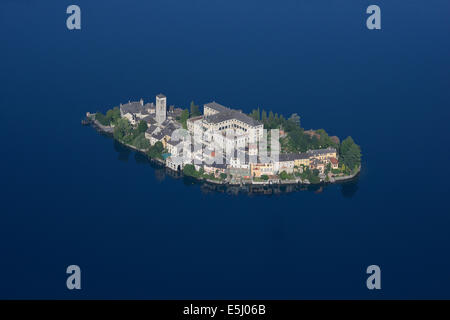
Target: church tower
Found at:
161, 108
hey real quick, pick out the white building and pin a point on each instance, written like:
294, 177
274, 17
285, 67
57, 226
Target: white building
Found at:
134, 111
218, 118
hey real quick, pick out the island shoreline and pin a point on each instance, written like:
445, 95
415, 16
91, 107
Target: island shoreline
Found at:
108, 130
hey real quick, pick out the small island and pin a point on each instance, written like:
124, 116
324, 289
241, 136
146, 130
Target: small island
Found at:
227, 146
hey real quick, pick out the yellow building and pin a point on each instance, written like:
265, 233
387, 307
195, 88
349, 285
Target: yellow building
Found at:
322, 154
318, 164
259, 169
301, 159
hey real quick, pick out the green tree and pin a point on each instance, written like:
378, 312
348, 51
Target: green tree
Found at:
277, 120
271, 120
313, 178
184, 117
189, 170
283, 175
141, 127
264, 117
195, 110
100, 117
122, 129
141, 142
255, 114
295, 118
156, 150
325, 141
113, 115
265, 177
350, 153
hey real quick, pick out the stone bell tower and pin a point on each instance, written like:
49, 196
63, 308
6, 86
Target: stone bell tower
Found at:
161, 102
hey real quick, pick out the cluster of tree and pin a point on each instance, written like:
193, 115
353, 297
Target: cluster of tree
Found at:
210, 176
124, 132
111, 117
184, 117
286, 176
156, 150
296, 139
193, 111
350, 155
270, 120
328, 168
311, 175
189, 170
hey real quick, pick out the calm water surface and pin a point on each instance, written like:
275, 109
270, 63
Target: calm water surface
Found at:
72, 196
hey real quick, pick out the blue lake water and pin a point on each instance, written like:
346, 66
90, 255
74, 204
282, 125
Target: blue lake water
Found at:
71, 196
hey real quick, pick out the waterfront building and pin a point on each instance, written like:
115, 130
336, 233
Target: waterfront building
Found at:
259, 169
301, 159
334, 163
322, 154
215, 168
285, 163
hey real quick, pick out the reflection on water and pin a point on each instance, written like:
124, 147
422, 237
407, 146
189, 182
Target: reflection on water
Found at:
123, 152
141, 158
160, 174
348, 189
260, 190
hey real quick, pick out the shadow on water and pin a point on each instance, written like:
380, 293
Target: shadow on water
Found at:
141, 158
257, 190
122, 151
348, 188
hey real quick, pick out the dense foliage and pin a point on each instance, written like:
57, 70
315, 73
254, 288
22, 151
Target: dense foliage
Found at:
156, 150
184, 117
189, 170
350, 154
286, 176
295, 138
195, 110
111, 117
124, 132
311, 175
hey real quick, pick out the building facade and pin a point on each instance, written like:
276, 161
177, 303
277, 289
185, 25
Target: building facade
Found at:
161, 112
